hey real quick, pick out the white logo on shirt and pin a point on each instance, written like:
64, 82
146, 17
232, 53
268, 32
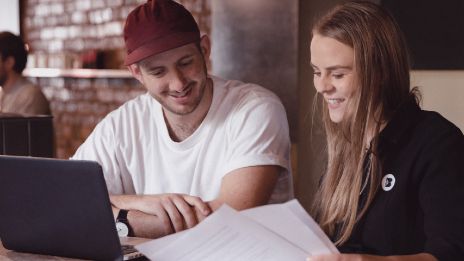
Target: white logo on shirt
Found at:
388, 182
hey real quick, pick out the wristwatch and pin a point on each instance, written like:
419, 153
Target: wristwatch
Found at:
122, 224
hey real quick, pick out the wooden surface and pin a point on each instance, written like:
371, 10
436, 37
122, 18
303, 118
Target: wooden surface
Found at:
8, 255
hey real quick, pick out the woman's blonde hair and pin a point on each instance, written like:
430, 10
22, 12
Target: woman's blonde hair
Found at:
382, 68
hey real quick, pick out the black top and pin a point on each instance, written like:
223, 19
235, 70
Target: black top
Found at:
420, 206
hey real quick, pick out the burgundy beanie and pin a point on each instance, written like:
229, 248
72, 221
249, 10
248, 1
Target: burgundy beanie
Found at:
158, 26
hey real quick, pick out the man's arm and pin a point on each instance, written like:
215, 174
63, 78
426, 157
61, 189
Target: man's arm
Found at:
247, 187
145, 225
171, 212
160, 215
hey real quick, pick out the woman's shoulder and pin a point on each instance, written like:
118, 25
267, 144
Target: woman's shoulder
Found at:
433, 123
436, 138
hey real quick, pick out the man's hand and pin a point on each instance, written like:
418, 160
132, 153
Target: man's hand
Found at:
180, 211
173, 212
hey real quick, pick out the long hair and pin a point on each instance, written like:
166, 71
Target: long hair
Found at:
382, 67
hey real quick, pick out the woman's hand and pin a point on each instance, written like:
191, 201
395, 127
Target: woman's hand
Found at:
361, 257
346, 257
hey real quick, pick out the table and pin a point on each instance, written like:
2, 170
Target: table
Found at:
8, 255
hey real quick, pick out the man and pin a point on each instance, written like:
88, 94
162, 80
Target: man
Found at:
18, 95
194, 141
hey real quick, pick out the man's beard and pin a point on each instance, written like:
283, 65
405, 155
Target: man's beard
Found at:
202, 87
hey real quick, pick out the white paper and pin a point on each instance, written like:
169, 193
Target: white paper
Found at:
292, 222
271, 232
300, 212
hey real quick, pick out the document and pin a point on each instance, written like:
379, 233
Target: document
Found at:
271, 232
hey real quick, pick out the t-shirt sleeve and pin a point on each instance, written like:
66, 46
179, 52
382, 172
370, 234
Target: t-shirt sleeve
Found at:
441, 196
100, 146
259, 135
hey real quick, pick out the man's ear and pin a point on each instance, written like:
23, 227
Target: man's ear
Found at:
205, 46
136, 72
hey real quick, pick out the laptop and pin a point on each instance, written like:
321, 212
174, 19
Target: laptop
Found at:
57, 207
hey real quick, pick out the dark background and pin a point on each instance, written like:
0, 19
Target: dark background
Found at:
434, 31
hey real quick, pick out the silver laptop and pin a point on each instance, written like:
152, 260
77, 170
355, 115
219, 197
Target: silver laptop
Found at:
58, 207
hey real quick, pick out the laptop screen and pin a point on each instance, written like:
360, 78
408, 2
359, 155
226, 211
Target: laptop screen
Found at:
56, 207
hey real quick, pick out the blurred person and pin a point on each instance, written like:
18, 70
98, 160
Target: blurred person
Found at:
393, 186
18, 94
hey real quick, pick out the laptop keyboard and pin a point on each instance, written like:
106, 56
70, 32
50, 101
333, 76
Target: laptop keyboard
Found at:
127, 249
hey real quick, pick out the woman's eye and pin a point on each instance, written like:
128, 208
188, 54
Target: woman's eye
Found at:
338, 75
318, 74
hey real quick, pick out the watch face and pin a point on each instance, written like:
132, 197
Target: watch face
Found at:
123, 230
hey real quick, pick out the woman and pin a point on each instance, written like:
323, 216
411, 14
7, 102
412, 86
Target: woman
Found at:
394, 185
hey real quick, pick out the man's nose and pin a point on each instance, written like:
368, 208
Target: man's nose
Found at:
178, 81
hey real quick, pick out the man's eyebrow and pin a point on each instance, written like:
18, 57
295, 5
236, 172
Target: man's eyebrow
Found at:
186, 56
150, 68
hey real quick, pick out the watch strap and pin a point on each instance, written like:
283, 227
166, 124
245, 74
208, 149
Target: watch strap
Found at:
122, 217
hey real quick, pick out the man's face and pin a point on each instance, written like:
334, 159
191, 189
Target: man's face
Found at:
176, 78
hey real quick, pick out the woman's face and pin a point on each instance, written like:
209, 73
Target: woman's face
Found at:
334, 74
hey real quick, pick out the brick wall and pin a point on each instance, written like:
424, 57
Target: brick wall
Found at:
60, 33
79, 104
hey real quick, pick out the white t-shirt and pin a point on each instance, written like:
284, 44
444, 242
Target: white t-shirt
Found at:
246, 125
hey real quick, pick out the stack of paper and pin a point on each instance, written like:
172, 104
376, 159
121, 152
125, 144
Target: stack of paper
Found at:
271, 232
